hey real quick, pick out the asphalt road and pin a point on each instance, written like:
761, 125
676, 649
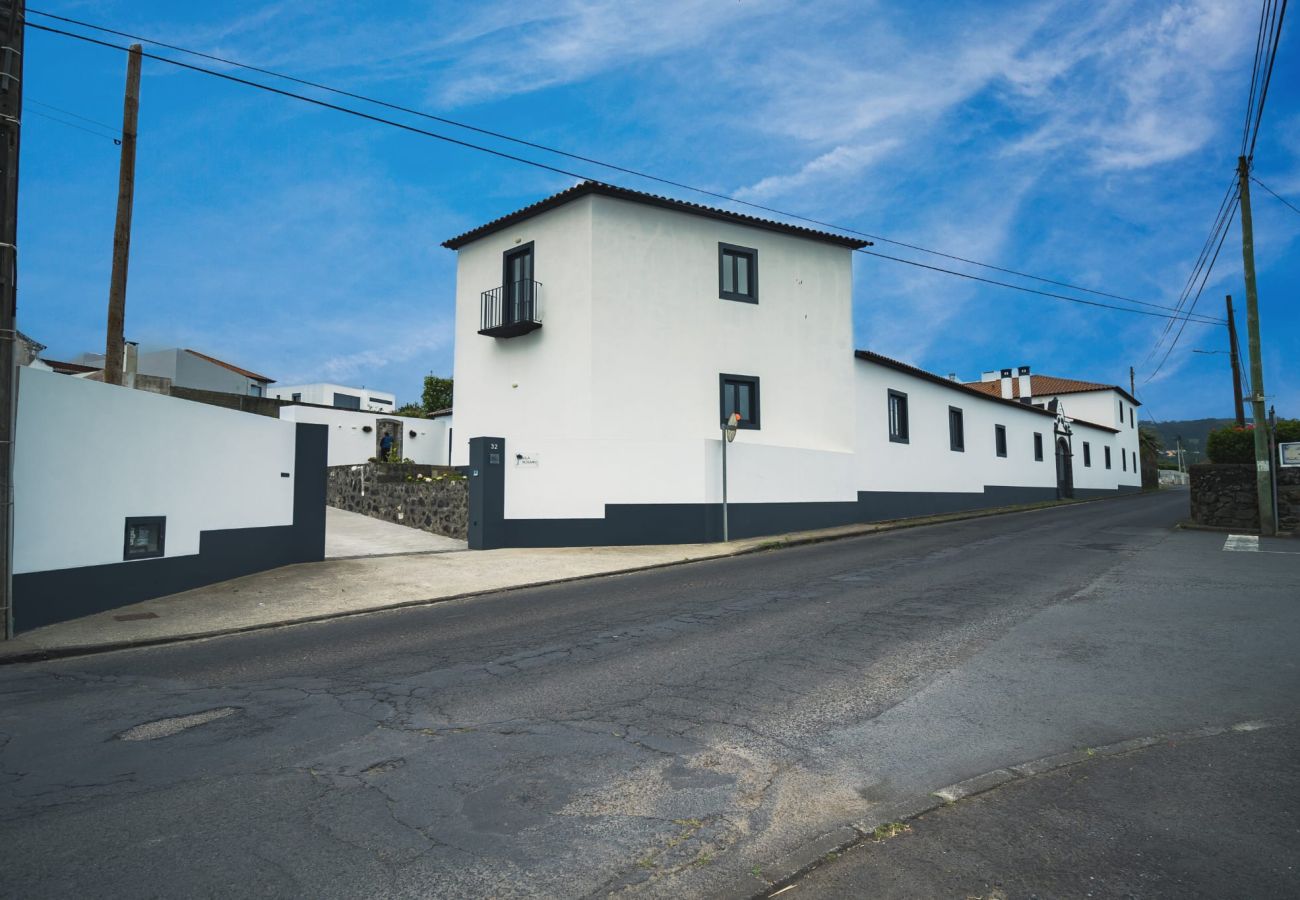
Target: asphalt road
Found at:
667, 732
1214, 817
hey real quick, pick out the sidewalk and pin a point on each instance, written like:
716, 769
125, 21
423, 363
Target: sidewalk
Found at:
334, 588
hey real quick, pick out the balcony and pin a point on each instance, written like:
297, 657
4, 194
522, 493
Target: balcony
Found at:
511, 310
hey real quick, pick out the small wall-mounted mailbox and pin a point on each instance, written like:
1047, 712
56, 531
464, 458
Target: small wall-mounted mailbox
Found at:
144, 537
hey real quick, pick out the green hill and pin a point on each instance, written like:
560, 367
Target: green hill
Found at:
1192, 433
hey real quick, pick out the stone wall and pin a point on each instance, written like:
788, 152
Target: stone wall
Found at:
440, 506
1224, 496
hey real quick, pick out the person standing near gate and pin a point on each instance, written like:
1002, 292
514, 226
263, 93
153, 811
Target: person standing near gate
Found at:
385, 446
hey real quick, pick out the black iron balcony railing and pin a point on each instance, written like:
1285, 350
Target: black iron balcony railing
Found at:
511, 310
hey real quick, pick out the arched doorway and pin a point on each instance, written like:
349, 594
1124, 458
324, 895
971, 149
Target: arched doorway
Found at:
1064, 470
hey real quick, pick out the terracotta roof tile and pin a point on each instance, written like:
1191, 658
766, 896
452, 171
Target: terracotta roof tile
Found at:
1048, 386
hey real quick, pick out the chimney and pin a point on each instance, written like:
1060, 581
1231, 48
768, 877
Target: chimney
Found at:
1026, 386
989, 376
952, 376
1006, 384
130, 362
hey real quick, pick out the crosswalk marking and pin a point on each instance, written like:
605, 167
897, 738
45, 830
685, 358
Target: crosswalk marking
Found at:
1242, 542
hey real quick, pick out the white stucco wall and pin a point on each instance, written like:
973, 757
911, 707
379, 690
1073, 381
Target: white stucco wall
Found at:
88, 455
350, 445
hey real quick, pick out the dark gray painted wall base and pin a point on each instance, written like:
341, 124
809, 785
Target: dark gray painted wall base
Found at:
43, 598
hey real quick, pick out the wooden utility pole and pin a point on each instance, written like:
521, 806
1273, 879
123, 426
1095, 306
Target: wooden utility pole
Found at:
12, 16
1132, 382
122, 231
1236, 368
1263, 459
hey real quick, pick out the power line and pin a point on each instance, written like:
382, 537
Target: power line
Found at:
1273, 192
1268, 75
1200, 320
534, 145
68, 112
98, 134
1195, 300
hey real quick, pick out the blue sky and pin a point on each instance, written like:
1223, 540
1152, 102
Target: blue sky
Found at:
1089, 143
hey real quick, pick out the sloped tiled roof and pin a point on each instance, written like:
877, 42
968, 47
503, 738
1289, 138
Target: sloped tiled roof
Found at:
609, 190
1050, 386
68, 368
226, 365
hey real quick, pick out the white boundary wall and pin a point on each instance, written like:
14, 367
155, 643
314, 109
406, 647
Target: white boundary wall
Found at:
350, 444
90, 454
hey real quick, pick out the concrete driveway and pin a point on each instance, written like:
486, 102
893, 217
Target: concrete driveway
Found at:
349, 535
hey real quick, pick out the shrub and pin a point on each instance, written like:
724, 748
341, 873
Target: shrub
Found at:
1234, 444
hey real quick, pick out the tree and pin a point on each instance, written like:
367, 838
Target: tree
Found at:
413, 410
437, 393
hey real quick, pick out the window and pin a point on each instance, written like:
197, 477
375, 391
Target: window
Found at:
1107, 454
956, 430
295, 397
898, 432
346, 401
254, 390
1087, 454
1123, 458
143, 538
1038, 447
1000, 439
737, 273
1130, 417
381, 400
739, 394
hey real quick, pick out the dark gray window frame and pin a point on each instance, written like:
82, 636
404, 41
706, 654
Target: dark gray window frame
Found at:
956, 436
1038, 446
1087, 454
160, 521
905, 435
1000, 440
756, 423
1123, 458
736, 250
1107, 455
1130, 418
352, 397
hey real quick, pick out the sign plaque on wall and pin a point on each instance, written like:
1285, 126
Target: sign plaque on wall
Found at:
1289, 454
526, 461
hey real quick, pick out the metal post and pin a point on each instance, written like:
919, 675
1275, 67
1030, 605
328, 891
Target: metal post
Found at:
1263, 461
725, 536
12, 16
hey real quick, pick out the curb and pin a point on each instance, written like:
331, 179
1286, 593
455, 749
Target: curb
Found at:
790, 868
46, 654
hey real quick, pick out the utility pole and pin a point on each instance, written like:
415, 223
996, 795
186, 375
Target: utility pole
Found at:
12, 15
1132, 382
1236, 368
1263, 461
122, 231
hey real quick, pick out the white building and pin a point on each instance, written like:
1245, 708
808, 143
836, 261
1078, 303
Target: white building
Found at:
191, 369
339, 396
603, 334
356, 437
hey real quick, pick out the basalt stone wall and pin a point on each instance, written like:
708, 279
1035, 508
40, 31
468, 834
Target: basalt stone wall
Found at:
1224, 496
383, 492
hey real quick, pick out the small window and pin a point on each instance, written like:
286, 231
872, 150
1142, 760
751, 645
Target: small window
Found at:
1107, 455
898, 429
1038, 447
346, 401
1123, 458
1000, 439
737, 273
381, 400
956, 429
254, 390
295, 397
739, 394
1130, 417
1087, 454
144, 537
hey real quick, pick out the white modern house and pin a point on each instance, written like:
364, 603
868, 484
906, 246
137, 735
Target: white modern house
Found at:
603, 335
185, 368
356, 437
339, 396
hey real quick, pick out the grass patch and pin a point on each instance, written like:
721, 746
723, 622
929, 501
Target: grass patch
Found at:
889, 830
